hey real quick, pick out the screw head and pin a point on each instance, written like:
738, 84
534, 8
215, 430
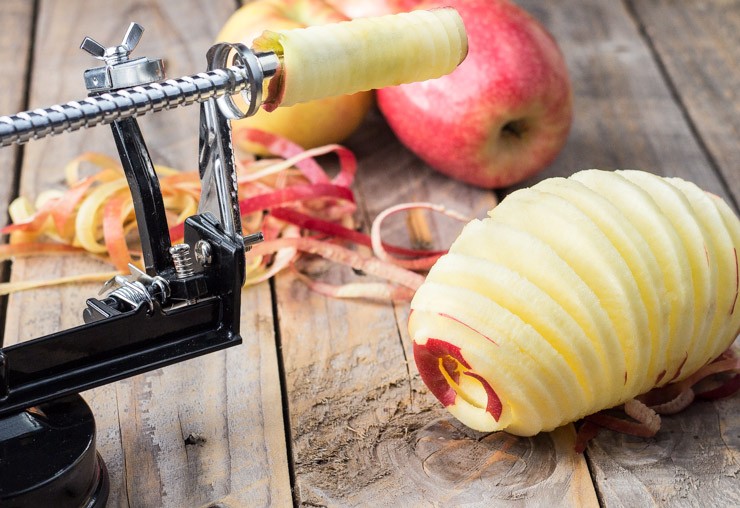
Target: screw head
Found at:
203, 252
132, 37
93, 47
114, 54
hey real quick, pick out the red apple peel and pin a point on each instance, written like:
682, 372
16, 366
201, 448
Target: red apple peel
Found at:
303, 199
441, 364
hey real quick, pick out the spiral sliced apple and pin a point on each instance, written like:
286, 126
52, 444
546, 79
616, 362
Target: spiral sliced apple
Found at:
577, 295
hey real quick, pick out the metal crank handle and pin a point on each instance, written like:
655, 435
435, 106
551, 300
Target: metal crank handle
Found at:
109, 107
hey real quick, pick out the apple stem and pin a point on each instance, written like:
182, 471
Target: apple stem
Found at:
418, 226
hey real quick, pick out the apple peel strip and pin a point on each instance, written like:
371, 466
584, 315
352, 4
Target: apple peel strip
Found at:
380, 250
285, 197
7, 288
304, 159
665, 400
342, 255
364, 290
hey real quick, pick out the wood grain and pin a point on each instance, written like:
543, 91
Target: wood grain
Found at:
205, 431
698, 44
16, 18
625, 116
693, 461
365, 430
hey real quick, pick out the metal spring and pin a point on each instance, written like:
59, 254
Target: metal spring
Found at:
182, 260
133, 293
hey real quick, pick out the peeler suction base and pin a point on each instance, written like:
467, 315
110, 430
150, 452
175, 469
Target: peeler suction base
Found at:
48, 457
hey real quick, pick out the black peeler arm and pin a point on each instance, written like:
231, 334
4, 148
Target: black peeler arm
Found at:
187, 300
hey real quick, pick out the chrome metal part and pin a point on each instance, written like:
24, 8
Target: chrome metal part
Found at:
137, 288
203, 252
126, 103
219, 194
119, 71
258, 66
132, 293
252, 239
177, 309
157, 286
217, 171
109, 107
216, 156
131, 73
182, 260
115, 54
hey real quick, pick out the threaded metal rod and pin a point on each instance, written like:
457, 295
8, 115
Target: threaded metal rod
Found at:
109, 107
182, 260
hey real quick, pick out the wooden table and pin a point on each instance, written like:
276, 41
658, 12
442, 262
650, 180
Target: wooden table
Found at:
320, 406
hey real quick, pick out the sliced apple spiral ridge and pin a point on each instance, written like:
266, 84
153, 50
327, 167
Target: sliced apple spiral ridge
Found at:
576, 295
363, 54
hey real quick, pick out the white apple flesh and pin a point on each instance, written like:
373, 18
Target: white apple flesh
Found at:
576, 296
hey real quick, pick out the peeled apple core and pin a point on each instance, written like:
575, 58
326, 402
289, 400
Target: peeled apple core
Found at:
577, 295
363, 54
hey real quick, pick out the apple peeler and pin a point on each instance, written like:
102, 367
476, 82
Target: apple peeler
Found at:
185, 302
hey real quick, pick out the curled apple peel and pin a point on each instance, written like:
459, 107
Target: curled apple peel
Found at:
450, 378
581, 294
363, 54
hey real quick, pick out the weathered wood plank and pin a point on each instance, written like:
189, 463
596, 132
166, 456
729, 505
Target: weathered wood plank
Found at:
351, 450
203, 431
698, 44
366, 431
693, 461
16, 18
626, 116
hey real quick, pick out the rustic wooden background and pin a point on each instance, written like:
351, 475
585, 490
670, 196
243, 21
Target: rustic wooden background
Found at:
321, 406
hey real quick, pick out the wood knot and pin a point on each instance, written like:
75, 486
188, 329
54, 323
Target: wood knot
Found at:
449, 458
194, 439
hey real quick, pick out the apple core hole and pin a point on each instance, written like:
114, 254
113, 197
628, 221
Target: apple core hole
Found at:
514, 129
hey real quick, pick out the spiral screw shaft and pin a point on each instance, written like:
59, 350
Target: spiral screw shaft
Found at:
109, 107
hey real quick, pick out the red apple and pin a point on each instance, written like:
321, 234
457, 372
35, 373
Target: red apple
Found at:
503, 114
310, 124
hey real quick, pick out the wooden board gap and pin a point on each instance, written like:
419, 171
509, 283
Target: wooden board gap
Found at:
284, 398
